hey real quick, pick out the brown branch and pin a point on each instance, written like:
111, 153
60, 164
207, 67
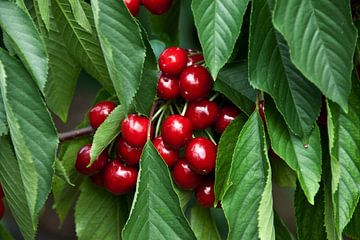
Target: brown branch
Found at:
78, 133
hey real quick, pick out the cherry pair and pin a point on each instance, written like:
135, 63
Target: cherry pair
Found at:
157, 7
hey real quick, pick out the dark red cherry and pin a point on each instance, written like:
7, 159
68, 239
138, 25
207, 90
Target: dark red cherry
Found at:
169, 154
322, 119
133, 6
98, 179
168, 87
205, 194
195, 83
176, 131
201, 154
226, 115
184, 177
194, 59
2, 195
131, 155
157, 7
134, 130
202, 113
118, 178
2, 208
100, 112
262, 111
83, 160
172, 60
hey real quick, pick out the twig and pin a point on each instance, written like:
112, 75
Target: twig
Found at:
78, 133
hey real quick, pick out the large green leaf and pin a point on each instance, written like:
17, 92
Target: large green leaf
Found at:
203, 224
156, 212
82, 45
321, 40
25, 40
99, 214
344, 136
305, 161
353, 228
80, 15
248, 201
271, 70
123, 47
44, 8
3, 121
233, 83
218, 24
31, 128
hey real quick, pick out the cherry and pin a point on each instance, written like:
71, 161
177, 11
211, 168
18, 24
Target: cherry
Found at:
118, 178
176, 131
157, 7
201, 154
194, 59
134, 130
2, 208
131, 155
168, 87
98, 179
226, 115
202, 113
184, 177
172, 60
262, 111
133, 6
83, 160
100, 112
169, 155
195, 83
205, 194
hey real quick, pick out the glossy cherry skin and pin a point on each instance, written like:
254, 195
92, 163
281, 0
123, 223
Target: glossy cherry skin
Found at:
98, 179
133, 6
118, 178
169, 154
157, 7
205, 194
134, 130
195, 83
184, 177
202, 113
168, 87
201, 154
131, 155
2, 208
226, 115
176, 131
100, 112
83, 160
193, 59
172, 61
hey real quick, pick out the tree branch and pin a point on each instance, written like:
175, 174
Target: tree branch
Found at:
78, 133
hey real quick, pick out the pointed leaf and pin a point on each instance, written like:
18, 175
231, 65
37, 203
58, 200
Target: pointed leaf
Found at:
60, 171
184, 197
203, 224
44, 7
80, 15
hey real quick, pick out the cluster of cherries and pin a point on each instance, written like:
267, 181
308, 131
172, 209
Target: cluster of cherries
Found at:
157, 7
192, 159
2, 205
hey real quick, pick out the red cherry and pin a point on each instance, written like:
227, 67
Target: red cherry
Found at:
118, 178
176, 131
205, 194
98, 179
2, 208
100, 112
201, 154
134, 130
169, 155
131, 155
226, 115
157, 7
133, 6
184, 177
195, 58
168, 87
83, 160
262, 111
322, 119
202, 113
173, 60
2, 195
195, 83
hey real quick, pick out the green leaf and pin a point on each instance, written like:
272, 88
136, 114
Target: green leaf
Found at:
107, 132
44, 8
271, 70
81, 44
283, 175
61, 172
29, 47
344, 138
203, 224
80, 15
184, 197
105, 219
18, 178
304, 160
321, 40
233, 83
3, 121
32, 130
156, 212
352, 230
5, 234
281, 231
218, 24
248, 202
225, 155
121, 41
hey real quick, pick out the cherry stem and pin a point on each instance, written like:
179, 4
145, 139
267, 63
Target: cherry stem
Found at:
177, 108
152, 111
78, 133
184, 109
159, 111
210, 136
157, 129
171, 109
214, 97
